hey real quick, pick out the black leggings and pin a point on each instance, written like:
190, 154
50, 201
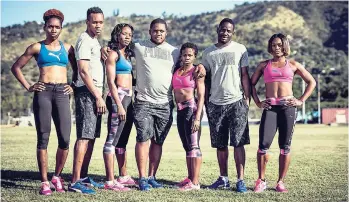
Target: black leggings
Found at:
278, 117
52, 102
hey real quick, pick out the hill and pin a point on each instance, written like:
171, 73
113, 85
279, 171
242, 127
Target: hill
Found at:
318, 33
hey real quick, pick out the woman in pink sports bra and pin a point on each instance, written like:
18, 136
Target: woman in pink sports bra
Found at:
189, 113
280, 111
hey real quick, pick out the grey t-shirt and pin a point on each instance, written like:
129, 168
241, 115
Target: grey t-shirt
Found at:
88, 48
224, 65
154, 67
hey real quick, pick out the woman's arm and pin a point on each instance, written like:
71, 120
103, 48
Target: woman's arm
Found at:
308, 78
111, 78
200, 85
254, 80
16, 68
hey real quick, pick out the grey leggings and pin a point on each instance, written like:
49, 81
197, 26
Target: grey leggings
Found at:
47, 103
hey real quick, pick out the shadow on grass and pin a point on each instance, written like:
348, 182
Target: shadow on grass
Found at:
14, 179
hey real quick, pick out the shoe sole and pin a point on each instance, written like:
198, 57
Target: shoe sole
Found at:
79, 191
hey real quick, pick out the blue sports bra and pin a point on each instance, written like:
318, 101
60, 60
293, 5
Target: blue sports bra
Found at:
123, 66
50, 58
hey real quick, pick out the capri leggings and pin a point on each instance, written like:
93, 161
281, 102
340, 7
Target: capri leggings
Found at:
185, 116
52, 102
279, 117
118, 131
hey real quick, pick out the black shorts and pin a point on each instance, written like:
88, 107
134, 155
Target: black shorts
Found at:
279, 117
152, 120
224, 119
88, 122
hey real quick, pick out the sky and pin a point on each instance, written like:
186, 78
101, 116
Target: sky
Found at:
18, 12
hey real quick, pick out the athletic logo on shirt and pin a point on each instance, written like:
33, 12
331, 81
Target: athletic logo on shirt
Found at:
178, 79
223, 59
157, 53
276, 71
56, 56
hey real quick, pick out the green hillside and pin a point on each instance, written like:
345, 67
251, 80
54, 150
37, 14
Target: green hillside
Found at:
318, 32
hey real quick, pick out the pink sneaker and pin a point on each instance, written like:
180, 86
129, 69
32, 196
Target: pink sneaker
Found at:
45, 188
260, 186
126, 180
116, 187
183, 182
189, 187
280, 187
58, 183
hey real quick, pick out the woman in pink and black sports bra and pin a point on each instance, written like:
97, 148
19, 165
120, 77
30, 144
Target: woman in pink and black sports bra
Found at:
279, 106
189, 113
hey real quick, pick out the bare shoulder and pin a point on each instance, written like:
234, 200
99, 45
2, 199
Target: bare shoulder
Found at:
34, 48
262, 64
295, 64
67, 46
112, 55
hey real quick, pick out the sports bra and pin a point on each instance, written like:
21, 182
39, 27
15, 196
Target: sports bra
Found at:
282, 74
123, 66
184, 81
52, 58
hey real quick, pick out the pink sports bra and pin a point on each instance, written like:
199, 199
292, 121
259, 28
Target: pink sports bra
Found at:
282, 74
184, 81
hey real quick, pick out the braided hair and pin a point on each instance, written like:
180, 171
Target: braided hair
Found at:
114, 40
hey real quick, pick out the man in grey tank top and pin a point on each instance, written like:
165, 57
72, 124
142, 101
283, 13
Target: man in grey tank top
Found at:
227, 107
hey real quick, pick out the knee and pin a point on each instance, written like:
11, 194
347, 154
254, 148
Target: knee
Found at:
64, 143
222, 149
108, 148
262, 151
42, 142
194, 153
285, 150
120, 150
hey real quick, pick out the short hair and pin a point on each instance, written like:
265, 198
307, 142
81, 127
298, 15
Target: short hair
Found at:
228, 20
53, 13
93, 10
285, 43
189, 45
156, 21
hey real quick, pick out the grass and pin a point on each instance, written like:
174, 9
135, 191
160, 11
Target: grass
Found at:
318, 170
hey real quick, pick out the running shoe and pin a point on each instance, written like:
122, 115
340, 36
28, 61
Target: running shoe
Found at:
88, 181
116, 186
240, 186
127, 180
260, 186
58, 183
183, 182
45, 189
153, 183
189, 187
80, 188
220, 183
143, 184
280, 187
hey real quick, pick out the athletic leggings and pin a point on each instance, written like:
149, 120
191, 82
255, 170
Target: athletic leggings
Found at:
118, 131
52, 102
186, 112
281, 118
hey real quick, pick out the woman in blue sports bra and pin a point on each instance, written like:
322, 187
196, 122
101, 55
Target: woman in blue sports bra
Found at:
120, 118
51, 95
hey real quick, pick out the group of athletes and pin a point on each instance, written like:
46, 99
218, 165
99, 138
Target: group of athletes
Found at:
220, 82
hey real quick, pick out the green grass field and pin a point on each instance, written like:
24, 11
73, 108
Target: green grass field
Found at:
318, 170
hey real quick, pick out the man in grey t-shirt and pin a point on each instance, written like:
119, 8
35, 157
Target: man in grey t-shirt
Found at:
227, 107
155, 62
89, 102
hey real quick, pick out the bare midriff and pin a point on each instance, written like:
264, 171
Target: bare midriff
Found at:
53, 74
